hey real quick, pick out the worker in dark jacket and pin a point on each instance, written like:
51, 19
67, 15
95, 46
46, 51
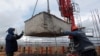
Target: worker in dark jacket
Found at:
81, 42
11, 41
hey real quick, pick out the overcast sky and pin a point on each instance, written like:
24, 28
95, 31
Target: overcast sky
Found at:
13, 13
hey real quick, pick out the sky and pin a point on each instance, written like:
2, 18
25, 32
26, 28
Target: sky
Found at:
13, 13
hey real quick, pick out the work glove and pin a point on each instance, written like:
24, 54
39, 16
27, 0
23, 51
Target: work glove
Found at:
62, 33
70, 37
22, 32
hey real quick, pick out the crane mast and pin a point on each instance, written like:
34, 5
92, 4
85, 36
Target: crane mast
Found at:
66, 8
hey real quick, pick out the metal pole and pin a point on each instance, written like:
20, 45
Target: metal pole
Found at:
97, 12
94, 24
56, 46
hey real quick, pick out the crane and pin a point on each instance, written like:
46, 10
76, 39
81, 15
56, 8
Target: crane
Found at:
66, 8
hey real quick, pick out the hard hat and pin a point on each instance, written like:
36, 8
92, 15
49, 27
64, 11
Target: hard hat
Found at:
74, 28
11, 29
81, 27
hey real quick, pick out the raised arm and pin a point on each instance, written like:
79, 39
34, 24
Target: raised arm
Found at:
66, 33
19, 36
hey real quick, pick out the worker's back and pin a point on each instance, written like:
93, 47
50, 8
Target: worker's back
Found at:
82, 43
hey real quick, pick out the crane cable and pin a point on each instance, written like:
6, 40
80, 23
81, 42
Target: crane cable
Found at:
35, 7
57, 2
48, 7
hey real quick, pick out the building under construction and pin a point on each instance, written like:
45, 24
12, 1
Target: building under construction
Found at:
41, 44
36, 46
42, 33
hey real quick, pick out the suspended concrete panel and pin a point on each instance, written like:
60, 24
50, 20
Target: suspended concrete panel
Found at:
45, 25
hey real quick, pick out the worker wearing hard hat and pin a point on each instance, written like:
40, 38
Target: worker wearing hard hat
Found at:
11, 41
81, 42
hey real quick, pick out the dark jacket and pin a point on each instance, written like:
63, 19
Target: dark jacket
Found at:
11, 41
81, 42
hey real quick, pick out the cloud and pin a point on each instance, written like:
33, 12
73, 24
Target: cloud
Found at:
13, 13
87, 5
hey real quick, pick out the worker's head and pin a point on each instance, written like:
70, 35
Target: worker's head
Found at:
78, 28
11, 30
82, 28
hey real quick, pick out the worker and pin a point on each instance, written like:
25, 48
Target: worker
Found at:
81, 43
11, 41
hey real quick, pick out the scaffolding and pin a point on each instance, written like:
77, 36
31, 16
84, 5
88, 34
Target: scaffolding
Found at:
45, 46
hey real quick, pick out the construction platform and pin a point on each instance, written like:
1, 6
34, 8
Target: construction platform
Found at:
49, 47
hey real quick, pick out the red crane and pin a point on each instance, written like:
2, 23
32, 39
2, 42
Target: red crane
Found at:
67, 9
